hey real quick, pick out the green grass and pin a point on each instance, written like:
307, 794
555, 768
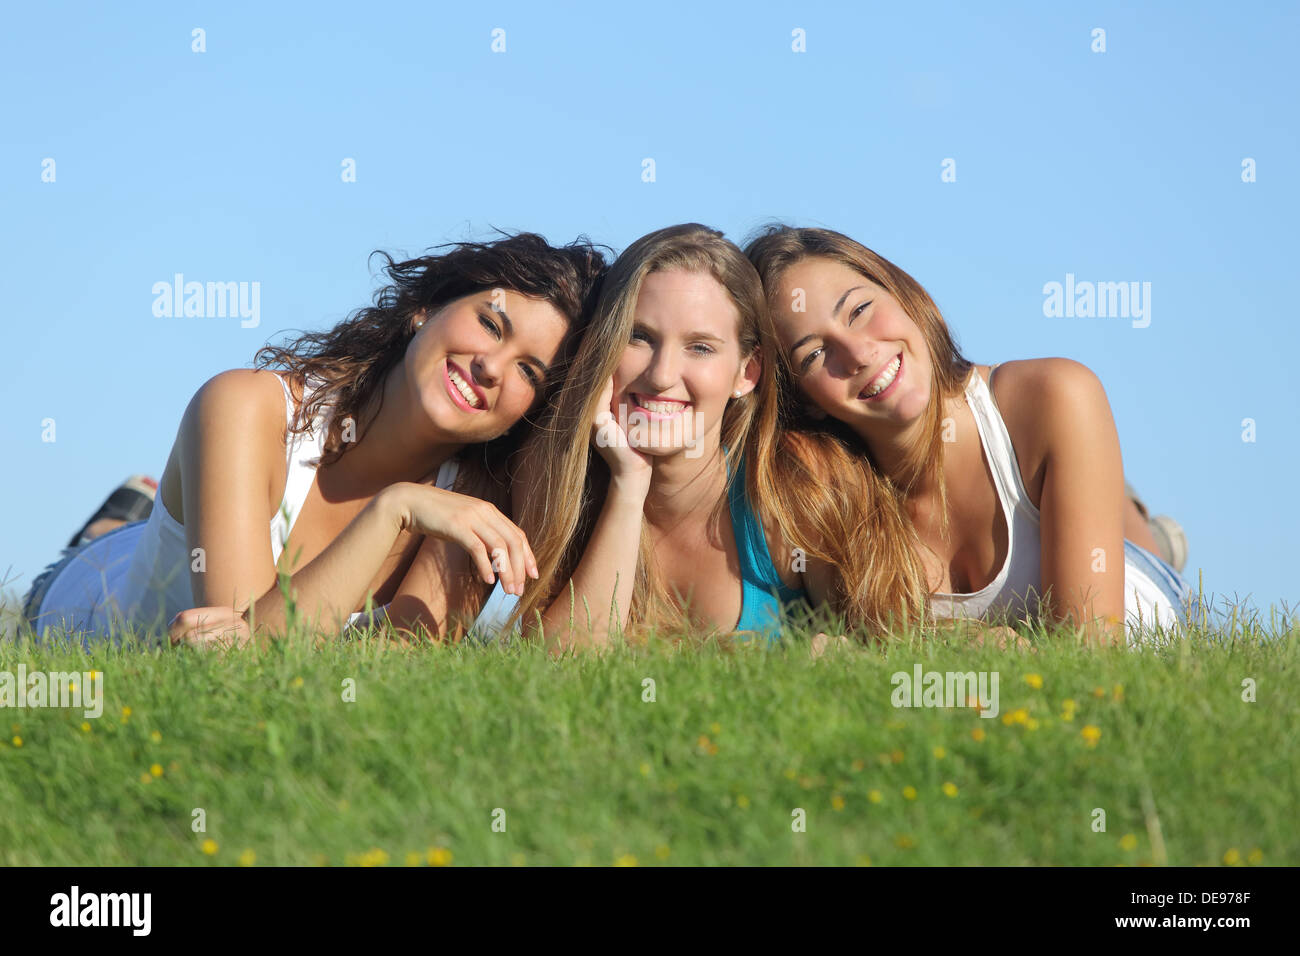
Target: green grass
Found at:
709, 773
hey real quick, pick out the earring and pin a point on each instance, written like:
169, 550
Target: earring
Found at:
419, 323
736, 394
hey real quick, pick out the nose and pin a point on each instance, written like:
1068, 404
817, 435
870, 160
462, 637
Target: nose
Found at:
487, 368
661, 373
849, 352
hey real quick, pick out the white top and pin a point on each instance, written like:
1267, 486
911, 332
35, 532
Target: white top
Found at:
142, 570
1153, 592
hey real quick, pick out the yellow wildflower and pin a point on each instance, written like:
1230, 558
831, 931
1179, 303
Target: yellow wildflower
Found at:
439, 856
156, 770
1232, 857
909, 792
837, 802
977, 733
939, 753
1128, 842
209, 846
247, 858
627, 859
1035, 681
875, 796
662, 851
950, 789
1091, 733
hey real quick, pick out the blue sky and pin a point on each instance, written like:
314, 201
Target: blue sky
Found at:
225, 165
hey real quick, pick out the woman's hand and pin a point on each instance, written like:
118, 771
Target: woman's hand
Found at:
626, 464
823, 642
494, 542
219, 627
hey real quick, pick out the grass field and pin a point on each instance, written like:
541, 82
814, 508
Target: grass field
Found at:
575, 766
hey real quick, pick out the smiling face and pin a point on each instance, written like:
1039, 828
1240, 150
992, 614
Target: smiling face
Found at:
854, 351
475, 370
682, 365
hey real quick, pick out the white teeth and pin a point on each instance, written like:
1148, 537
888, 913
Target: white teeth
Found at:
660, 408
463, 387
885, 378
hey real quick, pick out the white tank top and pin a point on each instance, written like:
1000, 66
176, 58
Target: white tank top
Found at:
1153, 592
142, 571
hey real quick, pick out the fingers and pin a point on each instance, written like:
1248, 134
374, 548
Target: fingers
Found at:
221, 627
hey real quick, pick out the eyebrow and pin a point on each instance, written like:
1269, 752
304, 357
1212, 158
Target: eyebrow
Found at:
638, 324
839, 304
510, 330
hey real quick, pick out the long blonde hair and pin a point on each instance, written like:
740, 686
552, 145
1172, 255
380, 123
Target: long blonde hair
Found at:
567, 478
895, 578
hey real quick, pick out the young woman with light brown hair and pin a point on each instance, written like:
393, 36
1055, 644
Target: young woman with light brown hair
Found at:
1010, 490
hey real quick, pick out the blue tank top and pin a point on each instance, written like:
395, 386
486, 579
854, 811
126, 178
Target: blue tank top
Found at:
762, 590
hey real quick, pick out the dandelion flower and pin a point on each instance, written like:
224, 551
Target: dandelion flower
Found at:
247, 858
939, 753
1232, 857
1099, 692
627, 859
1256, 856
209, 847
909, 792
85, 726
977, 733
439, 856
156, 770
1035, 681
715, 728
412, 858
662, 851
742, 801
156, 737
18, 741
875, 796
950, 789
837, 802
1091, 733
1128, 842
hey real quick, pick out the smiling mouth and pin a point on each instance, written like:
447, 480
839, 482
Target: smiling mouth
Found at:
888, 375
658, 407
459, 388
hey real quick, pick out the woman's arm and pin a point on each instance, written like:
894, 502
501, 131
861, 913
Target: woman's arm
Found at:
230, 441
1082, 499
581, 614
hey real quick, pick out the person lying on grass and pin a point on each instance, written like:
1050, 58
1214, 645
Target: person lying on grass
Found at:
1010, 489
400, 421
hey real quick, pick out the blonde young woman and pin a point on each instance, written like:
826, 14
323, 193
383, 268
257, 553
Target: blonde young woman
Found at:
1009, 477
372, 449
659, 496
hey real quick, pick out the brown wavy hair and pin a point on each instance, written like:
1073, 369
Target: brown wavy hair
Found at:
350, 362
881, 567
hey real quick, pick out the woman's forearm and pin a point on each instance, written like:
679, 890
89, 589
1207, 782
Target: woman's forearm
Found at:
327, 589
604, 579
